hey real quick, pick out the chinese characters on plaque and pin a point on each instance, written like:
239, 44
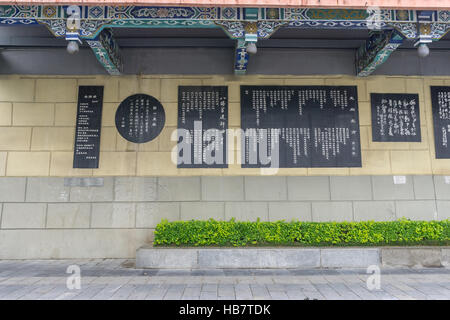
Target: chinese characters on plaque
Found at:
87, 132
140, 118
440, 103
395, 117
301, 126
202, 125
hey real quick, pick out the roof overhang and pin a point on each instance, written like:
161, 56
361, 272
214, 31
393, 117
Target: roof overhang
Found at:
336, 4
94, 25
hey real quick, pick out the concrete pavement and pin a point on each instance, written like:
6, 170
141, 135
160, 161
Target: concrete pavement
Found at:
118, 279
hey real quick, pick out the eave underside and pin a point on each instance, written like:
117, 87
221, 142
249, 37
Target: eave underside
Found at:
325, 4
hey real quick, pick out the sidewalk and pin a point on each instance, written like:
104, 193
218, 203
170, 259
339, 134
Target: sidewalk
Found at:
117, 279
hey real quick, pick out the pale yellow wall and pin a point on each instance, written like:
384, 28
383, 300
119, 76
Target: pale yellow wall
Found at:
38, 114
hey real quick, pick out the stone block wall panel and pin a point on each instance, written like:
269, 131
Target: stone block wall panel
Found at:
86, 206
37, 121
136, 186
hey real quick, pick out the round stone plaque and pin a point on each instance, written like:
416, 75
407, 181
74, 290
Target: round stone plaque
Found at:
140, 118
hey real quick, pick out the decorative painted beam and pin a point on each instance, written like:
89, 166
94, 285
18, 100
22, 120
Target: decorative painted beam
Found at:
107, 51
241, 57
94, 18
410, 24
376, 51
324, 4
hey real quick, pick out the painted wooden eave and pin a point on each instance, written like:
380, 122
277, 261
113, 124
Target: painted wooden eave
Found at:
338, 4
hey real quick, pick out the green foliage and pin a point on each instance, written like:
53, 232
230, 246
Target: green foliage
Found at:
241, 233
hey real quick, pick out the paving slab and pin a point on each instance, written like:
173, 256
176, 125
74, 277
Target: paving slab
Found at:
245, 284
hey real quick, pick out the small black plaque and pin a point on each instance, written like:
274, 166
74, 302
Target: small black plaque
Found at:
140, 118
308, 126
395, 117
88, 127
203, 117
440, 104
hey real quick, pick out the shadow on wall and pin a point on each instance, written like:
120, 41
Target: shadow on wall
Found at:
269, 61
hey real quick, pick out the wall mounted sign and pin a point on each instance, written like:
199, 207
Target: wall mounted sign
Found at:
202, 125
440, 104
395, 117
88, 127
140, 118
300, 126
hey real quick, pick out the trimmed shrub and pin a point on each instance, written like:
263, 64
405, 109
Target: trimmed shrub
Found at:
240, 233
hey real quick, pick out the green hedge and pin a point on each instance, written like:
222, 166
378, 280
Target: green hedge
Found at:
236, 233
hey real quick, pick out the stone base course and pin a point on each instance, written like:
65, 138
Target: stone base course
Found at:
290, 258
110, 217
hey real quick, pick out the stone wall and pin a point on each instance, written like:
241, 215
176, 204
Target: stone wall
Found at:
50, 210
38, 115
44, 217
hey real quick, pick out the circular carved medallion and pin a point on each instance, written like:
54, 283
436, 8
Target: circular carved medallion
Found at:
140, 118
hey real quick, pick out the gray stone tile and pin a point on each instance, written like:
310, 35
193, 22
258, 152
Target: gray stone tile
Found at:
264, 258
157, 293
277, 295
327, 291
89, 292
135, 189
442, 187
179, 189
209, 287
108, 288
124, 292
173, 294
385, 189
192, 292
332, 211
374, 210
149, 214
222, 188
55, 292
47, 190
445, 258
202, 210
95, 193
173, 258
12, 189
344, 291
443, 209
84, 182
361, 291
38, 290
351, 188
208, 296
246, 211
265, 188
260, 292
113, 215
424, 187
414, 257
289, 211
226, 290
68, 215
139, 293
308, 188
7, 291
23, 215
352, 258
417, 210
